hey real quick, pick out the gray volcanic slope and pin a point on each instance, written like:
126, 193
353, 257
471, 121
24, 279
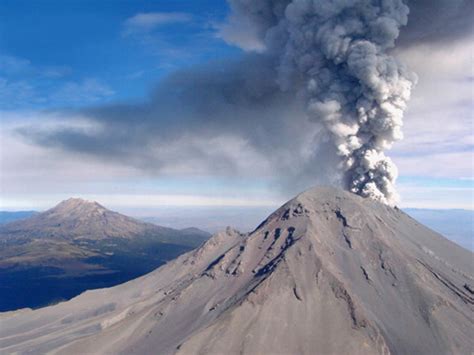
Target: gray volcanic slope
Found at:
327, 273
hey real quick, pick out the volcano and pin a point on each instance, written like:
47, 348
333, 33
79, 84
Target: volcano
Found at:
327, 273
76, 218
80, 245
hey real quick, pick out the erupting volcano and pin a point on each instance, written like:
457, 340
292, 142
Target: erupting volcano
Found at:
329, 272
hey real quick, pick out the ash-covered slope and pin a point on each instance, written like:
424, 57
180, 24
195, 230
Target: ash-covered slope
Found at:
327, 273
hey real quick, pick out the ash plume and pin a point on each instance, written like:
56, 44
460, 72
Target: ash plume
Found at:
317, 97
335, 53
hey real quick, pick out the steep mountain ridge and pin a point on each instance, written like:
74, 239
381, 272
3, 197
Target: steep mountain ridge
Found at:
328, 272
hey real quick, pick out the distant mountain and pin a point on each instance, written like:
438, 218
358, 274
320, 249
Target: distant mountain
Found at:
7, 216
76, 219
80, 245
327, 273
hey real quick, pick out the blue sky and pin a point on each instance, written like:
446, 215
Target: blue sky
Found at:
58, 57
63, 49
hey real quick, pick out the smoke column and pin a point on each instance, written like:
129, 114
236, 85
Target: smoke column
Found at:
336, 54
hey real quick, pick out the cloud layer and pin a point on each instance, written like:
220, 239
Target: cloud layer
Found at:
226, 118
145, 22
238, 118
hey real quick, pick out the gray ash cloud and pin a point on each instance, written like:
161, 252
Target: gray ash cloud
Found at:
336, 54
318, 97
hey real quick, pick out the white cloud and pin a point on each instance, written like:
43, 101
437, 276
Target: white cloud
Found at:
89, 90
37, 177
25, 85
206, 156
33, 176
26, 93
29, 169
145, 22
457, 165
16, 92
13, 65
439, 126
241, 33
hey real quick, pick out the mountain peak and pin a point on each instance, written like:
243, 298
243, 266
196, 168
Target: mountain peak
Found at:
77, 200
317, 197
76, 217
330, 202
78, 205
